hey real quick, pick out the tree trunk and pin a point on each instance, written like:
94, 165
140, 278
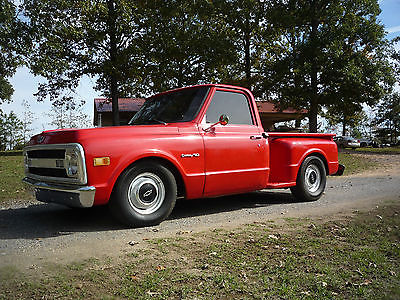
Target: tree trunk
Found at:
344, 129
247, 63
113, 56
313, 110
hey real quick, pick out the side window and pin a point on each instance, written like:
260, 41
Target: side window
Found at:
234, 105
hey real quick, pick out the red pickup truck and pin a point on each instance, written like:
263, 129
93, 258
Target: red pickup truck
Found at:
194, 142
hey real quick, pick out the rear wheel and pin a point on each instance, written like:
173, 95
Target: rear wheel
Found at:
144, 195
311, 180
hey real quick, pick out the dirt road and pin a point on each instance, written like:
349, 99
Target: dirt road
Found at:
33, 235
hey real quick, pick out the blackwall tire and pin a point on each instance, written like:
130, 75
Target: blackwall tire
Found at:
311, 180
144, 195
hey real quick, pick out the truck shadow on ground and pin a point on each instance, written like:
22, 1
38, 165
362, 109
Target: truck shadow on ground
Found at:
52, 220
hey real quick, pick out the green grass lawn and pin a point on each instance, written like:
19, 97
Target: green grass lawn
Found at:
354, 257
11, 173
387, 150
355, 164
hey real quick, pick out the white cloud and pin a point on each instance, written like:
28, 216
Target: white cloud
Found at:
393, 29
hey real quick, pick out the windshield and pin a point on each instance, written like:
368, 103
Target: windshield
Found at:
179, 106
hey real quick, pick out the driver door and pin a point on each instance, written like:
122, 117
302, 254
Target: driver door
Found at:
235, 154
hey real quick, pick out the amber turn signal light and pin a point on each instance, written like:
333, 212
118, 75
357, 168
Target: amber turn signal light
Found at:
101, 161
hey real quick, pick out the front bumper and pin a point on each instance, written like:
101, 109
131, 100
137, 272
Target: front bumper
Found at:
69, 195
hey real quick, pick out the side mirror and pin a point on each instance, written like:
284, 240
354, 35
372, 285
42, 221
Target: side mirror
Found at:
223, 120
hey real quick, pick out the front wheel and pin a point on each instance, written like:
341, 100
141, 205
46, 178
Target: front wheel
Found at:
144, 195
311, 180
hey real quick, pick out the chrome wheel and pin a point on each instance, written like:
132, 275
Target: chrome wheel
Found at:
146, 193
312, 178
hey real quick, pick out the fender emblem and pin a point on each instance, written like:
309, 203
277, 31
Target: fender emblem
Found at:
190, 155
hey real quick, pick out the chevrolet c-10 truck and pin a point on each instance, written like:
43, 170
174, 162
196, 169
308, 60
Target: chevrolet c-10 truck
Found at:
194, 142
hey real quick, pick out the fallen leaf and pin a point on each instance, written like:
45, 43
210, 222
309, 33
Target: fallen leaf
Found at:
183, 232
160, 268
366, 282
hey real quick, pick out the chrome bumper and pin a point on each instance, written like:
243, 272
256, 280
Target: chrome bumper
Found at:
73, 196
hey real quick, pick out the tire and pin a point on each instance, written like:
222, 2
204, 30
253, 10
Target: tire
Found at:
144, 195
311, 180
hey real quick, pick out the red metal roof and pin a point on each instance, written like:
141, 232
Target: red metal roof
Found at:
124, 104
269, 107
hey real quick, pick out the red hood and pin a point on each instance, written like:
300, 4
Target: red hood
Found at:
71, 135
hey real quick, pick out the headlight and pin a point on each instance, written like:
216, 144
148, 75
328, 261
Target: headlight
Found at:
72, 163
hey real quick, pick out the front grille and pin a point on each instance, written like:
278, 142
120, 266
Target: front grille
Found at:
61, 173
57, 153
63, 163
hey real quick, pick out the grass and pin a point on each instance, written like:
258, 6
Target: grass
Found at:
387, 150
355, 164
354, 257
11, 173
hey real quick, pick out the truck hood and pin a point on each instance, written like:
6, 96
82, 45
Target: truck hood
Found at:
63, 136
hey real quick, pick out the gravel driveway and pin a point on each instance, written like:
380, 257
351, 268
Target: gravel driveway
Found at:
35, 234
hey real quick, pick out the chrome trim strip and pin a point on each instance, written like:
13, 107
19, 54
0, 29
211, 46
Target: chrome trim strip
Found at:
85, 193
49, 163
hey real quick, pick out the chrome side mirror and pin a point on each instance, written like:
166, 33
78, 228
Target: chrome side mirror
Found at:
223, 120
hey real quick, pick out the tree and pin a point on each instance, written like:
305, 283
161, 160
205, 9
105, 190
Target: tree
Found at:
10, 131
335, 56
27, 119
388, 118
185, 44
68, 115
14, 42
99, 39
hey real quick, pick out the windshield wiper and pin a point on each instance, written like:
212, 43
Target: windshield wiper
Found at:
158, 121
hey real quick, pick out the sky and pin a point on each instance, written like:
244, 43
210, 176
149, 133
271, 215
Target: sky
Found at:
25, 84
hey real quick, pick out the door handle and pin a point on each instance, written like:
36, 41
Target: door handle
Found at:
256, 137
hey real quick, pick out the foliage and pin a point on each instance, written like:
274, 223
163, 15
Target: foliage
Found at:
388, 118
27, 120
68, 115
96, 38
305, 54
14, 42
250, 35
333, 56
10, 131
184, 43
